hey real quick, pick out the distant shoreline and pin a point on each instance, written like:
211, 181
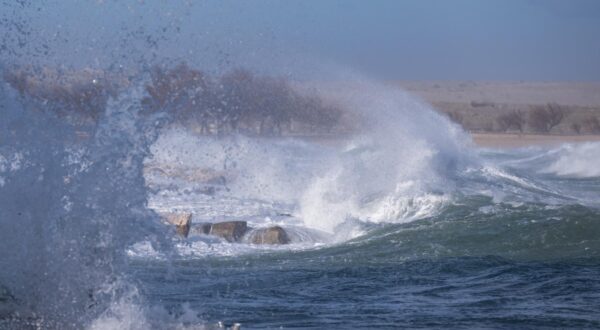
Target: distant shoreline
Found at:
508, 140
555, 108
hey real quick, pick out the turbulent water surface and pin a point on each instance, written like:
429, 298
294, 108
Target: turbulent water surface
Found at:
511, 240
115, 112
405, 224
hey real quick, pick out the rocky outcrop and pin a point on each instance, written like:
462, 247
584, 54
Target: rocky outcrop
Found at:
238, 231
271, 235
231, 231
181, 221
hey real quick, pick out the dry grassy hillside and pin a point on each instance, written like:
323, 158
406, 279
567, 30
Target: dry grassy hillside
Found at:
560, 108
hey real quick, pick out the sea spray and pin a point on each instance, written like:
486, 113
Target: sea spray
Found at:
579, 161
266, 168
71, 206
399, 167
388, 169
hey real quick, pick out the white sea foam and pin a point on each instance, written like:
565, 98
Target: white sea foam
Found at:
251, 168
398, 170
201, 246
576, 160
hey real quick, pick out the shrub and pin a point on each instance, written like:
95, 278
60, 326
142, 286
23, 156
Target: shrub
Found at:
512, 120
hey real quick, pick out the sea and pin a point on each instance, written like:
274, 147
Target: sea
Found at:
405, 224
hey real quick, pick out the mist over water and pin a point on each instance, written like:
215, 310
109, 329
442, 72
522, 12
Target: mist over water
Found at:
395, 218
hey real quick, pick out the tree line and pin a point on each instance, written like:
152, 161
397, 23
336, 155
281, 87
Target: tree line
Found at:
238, 101
541, 118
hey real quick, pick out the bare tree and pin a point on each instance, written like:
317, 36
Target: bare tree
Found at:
279, 104
512, 120
180, 90
216, 104
236, 93
544, 118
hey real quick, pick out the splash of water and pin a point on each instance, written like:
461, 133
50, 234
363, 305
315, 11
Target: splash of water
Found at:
400, 168
580, 161
70, 207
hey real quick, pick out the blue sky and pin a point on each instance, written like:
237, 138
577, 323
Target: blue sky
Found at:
392, 39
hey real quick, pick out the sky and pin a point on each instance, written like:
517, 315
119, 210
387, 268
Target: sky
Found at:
390, 39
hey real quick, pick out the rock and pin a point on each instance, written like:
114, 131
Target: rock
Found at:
232, 231
203, 228
271, 235
181, 221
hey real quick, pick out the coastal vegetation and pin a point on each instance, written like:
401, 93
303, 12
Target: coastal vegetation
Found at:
238, 101
244, 102
550, 118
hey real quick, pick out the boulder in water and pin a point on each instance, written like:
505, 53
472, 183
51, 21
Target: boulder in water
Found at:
203, 228
181, 221
232, 231
271, 235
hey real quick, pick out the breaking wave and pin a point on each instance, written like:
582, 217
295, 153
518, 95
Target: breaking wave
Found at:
579, 161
